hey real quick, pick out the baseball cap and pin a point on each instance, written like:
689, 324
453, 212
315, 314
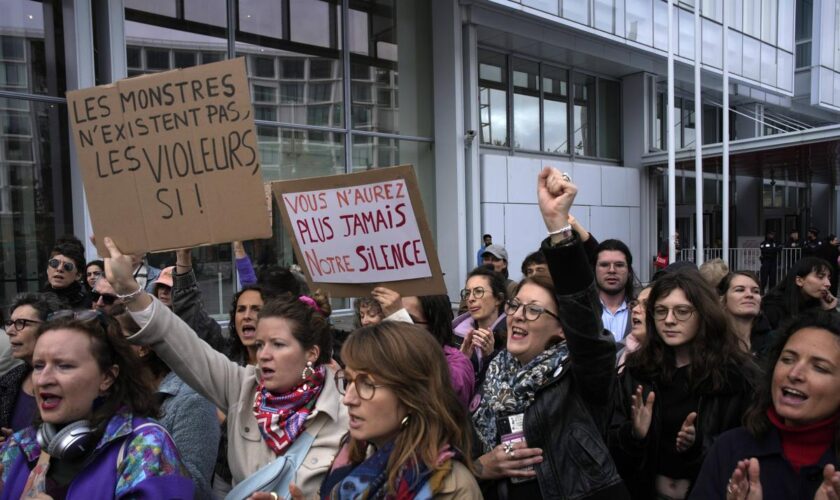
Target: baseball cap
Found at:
496, 250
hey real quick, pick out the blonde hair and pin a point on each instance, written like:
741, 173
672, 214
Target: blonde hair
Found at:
407, 360
713, 271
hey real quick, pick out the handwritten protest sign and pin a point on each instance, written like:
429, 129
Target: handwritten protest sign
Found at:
354, 232
170, 160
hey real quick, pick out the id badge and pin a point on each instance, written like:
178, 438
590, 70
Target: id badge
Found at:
512, 430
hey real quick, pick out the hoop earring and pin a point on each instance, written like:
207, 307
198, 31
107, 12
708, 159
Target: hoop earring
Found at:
307, 371
404, 422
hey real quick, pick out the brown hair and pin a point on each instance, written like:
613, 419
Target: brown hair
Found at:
132, 386
715, 352
546, 283
411, 363
309, 327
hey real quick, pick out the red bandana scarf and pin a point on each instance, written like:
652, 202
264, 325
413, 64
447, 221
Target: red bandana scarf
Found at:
281, 418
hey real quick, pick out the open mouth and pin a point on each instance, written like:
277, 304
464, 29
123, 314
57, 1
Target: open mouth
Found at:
355, 421
636, 321
793, 396
518, 333
267, 372
49, 401
249, 331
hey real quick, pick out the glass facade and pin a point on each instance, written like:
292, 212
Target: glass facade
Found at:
759, 28
34, 164
553, 109
826, 56
309, 110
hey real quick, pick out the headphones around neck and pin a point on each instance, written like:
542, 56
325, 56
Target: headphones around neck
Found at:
72, 441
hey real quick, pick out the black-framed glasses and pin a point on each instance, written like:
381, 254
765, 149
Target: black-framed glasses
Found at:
365, 387
68, 267
20, 323
477, 292
532, 312
681, 313
107, 298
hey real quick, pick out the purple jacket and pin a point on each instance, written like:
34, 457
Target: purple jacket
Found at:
150, 468
462, 374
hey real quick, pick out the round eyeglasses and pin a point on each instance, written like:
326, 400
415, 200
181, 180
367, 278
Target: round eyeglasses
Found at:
532, 312
477, 292
681, 313
365, 387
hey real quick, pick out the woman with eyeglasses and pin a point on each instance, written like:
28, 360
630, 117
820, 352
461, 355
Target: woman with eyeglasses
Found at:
481, 331
688, 382
94, 437
64, 273
407, 437
287, 396
17, 395
546, 401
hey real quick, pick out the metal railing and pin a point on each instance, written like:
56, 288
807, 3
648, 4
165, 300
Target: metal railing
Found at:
746, 259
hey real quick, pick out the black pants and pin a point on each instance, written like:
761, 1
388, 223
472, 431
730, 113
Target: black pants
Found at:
768, 276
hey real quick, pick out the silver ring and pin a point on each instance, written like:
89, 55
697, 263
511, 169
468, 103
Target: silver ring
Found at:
509, 451
275, 496
566, 177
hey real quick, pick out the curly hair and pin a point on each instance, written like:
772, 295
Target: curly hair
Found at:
409, 361
714, 351
755, 419
132, 385
236, 349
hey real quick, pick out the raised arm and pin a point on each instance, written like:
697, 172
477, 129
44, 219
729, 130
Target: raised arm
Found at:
206, 370
188, 303
244, 267
591, 348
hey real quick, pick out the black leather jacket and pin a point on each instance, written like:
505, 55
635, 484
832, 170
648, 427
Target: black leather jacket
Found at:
569, 418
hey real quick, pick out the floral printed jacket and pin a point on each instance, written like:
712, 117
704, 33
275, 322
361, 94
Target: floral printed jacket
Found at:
150, 466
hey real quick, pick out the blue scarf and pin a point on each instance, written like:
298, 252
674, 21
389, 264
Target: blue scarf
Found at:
369, 480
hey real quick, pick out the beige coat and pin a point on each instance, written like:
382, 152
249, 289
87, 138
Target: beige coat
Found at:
232, 388
459, 484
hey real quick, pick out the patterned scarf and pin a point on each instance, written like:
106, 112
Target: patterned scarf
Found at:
509, 388
368, 480
281, 418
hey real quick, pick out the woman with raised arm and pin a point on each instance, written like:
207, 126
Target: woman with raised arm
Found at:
270, 406
547, 398
788, 446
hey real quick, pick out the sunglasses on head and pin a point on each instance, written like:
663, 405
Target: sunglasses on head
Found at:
68, 267
107, 298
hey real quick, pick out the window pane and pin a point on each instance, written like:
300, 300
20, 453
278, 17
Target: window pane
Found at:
686, 33
492, 96
397, 37
752, 58
786, 13
752, 17
660, 25
261, 17
712, 44
736, 51
33, 159
24, 52
584, 115
605, 15
549, 6
313, 23
609, 119
769, 13
576, 10
784, 61
555, 110
526, 105
768, 64
638, 16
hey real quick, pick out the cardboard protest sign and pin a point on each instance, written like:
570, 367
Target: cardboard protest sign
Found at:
357, 231
170, 160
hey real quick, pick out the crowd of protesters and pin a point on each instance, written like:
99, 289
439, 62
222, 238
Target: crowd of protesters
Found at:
576, 382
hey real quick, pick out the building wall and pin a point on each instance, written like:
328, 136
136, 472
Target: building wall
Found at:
608, 203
